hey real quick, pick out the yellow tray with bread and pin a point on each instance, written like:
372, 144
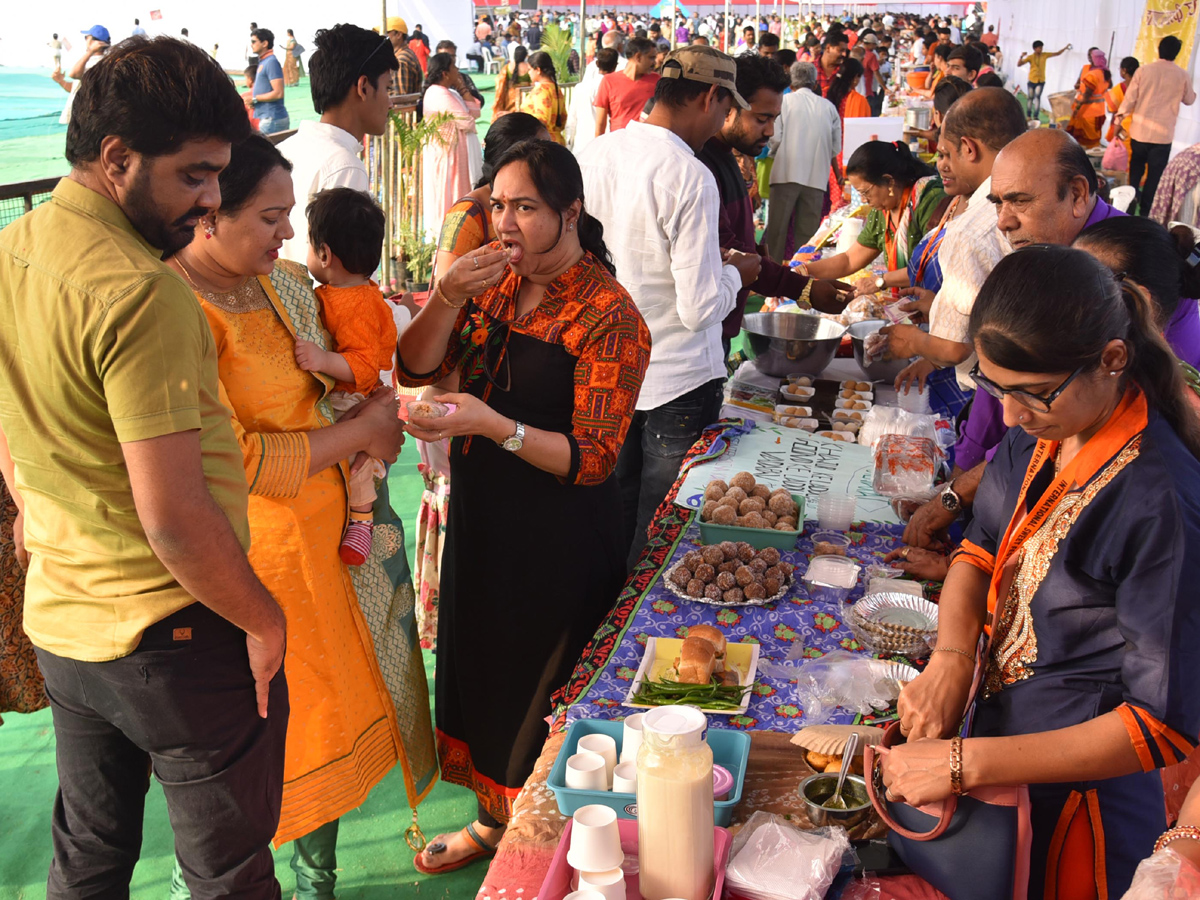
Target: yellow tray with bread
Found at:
702, 670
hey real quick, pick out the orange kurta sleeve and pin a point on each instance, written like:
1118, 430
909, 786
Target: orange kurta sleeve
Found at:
363, 332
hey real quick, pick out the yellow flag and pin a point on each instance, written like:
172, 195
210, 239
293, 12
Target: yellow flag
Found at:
1162, 18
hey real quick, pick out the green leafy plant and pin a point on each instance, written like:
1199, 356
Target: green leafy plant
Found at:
418, 256
557, 42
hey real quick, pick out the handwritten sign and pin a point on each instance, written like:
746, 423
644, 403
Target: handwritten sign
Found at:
799, 462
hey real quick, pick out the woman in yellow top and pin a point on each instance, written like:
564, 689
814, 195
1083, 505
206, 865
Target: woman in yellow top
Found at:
546, 102
1118, 128
513, 76
355, 676
1087, 111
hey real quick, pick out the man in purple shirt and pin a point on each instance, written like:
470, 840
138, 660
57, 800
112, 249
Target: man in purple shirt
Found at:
1045, 192
762, 82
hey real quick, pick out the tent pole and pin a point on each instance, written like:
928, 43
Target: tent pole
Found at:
725, 36
757, 15
582, 37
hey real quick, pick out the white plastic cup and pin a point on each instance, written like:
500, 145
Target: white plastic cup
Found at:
625, 778
913, 400
835, 512
586, 772
610, 885
584, 895
605, 747
631, 737
595, 842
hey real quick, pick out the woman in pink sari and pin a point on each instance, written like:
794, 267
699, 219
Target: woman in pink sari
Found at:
445, 164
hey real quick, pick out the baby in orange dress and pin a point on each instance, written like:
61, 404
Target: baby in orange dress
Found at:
345, 235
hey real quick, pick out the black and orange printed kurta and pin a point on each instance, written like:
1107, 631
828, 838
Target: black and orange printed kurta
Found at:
533, 562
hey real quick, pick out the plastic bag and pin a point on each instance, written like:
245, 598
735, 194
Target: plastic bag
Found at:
839, 678
881, 420
905, 465
771, 859
1164, 876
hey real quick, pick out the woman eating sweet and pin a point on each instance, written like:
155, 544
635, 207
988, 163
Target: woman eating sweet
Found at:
1084, 551
551, 352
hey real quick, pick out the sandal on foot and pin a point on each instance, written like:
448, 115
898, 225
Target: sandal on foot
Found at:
485, 851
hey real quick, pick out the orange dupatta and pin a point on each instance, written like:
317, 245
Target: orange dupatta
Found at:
1126, 423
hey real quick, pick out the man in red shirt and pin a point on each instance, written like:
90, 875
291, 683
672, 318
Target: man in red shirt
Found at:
991, 38
833, 51
623, 95
871, 81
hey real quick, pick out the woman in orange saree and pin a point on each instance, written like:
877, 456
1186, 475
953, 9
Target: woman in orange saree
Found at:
1118, 128
546, 102
1082, 557
513, 76
850, 105
1088, 110
355, 675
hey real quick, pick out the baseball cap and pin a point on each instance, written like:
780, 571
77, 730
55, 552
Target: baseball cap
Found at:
99, 32
870, 39
395, 23
706, 65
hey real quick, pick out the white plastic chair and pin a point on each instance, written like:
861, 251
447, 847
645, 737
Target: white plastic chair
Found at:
1122, 197
491, 65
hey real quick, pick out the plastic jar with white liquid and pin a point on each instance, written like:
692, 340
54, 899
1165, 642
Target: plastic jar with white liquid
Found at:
675, 806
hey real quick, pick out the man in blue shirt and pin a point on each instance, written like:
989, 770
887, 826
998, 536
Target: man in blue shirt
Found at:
266, 97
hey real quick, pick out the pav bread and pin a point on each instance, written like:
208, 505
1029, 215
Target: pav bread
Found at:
715, 637
697, 661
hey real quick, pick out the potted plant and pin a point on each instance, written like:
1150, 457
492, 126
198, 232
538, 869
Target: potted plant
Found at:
557, 42
418, 256
411, 137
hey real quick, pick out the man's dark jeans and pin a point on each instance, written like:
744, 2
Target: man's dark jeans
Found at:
181, 705
1150, 159
657, 441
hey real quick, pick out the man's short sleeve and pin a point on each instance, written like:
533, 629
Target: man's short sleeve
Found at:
273, 68
602, 98
151, 352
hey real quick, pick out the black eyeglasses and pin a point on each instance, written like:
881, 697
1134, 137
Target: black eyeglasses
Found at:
1036, 402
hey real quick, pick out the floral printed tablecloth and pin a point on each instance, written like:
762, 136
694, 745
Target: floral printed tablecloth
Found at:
776, 627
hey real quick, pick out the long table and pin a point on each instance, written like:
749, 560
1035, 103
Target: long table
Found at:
645, 607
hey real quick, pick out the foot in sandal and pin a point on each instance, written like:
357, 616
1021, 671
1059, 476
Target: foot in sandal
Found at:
450, 852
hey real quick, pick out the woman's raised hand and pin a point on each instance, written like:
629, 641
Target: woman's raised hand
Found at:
472, 274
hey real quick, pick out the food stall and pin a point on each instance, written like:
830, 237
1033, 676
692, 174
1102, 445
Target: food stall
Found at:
767, 638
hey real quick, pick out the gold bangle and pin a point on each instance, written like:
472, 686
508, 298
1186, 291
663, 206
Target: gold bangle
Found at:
970, 656
1189, 832
805, 298
437, 292
956, 765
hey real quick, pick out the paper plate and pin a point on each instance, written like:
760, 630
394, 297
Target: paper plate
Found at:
896, 612
684, 595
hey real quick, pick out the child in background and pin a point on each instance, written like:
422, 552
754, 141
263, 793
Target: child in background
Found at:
249, 73
345, 234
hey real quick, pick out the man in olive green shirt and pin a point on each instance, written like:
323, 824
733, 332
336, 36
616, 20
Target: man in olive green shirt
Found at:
160, 647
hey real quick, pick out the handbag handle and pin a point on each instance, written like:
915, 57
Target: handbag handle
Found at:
875, 792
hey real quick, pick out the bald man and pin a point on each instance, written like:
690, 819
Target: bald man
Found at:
1044, 190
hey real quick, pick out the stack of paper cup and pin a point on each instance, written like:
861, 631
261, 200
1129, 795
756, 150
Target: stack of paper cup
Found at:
625, 778
610, 885
835, 512
631, 737
605, 747
913, 400
595, 851
587, 772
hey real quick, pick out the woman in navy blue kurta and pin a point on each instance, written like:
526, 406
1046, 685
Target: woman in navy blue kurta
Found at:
1084, 554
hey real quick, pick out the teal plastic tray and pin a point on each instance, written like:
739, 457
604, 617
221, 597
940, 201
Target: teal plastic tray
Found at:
758, 538
731, 750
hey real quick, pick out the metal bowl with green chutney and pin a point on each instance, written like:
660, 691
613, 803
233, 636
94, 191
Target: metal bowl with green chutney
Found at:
815, 790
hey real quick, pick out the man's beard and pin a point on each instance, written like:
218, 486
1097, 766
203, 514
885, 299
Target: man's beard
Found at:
169, 237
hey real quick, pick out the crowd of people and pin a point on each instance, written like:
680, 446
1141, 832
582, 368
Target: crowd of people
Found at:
216, 586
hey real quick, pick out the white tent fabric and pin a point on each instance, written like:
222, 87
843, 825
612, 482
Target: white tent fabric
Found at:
1084, 24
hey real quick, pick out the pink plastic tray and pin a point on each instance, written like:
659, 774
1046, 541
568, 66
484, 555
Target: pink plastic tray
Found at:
558, 880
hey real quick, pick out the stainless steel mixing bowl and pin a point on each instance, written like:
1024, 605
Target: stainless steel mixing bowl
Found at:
880, 370
791, 343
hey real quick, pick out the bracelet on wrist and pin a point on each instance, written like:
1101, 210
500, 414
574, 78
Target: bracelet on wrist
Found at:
1186, 832
967, 654
437, 292
956, 765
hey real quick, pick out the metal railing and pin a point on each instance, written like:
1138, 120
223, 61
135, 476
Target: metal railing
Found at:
19, 197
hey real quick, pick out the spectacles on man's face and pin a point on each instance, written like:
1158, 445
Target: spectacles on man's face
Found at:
1036, 402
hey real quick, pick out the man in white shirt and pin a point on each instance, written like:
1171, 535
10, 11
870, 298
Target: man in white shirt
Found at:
660, 209
808, 137
582, 109
350, 75
978, 126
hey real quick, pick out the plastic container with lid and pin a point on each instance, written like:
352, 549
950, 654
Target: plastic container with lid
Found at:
675, 805
831, 579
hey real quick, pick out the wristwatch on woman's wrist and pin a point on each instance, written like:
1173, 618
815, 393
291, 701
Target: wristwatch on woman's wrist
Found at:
516, 440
